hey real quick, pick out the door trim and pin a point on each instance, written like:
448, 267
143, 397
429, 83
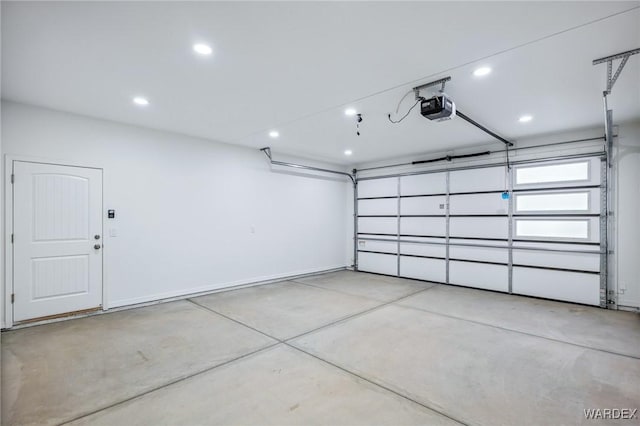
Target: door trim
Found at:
5, 296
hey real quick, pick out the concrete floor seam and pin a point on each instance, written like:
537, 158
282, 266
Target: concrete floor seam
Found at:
286, 342
408, 398
333, 289
173, 382
519, 332
206, 308
340, 320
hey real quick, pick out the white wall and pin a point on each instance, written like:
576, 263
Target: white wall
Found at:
627, 212
185, 206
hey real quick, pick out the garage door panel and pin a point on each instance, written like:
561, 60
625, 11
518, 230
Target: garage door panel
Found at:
379, 246
479, 227
378, 225
477, 180
560, 285
478, 204
384, 206
427, 226
378, 263
479, 275
423, 269
436, 249
565, 246
563, 260
432, 183
378, 188
434, 205
363, 235
486, 254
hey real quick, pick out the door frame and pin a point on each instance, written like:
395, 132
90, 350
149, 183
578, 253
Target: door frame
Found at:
8, 283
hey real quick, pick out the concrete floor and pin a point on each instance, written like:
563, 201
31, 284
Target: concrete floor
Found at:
340, 348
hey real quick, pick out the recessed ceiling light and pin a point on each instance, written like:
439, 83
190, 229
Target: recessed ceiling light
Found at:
525, 118
482, 71
139, 100
350, 111
202, 49
348, 152
274, 134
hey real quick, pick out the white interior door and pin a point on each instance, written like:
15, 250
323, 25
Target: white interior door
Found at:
57, 227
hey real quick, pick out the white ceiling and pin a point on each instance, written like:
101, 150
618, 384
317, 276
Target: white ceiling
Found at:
294, 66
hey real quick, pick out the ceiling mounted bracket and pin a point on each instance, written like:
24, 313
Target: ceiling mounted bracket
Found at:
611, 79
442, 81
267, 151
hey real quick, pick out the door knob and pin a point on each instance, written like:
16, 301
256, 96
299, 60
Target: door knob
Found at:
97, 237
97, 246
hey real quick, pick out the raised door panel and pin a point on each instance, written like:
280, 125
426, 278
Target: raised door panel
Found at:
386, 264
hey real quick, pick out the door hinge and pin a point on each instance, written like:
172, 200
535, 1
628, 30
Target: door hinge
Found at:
13, 297
13, 178
11, 238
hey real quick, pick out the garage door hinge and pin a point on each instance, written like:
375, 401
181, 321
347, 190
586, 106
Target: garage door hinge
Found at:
13, 298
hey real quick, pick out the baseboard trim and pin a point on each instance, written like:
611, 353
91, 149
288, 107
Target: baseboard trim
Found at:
208, 289
140, 302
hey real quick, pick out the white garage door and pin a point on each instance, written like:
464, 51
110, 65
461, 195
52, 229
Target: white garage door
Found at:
456, 227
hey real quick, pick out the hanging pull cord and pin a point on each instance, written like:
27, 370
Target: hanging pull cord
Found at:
506, 195
407, 114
